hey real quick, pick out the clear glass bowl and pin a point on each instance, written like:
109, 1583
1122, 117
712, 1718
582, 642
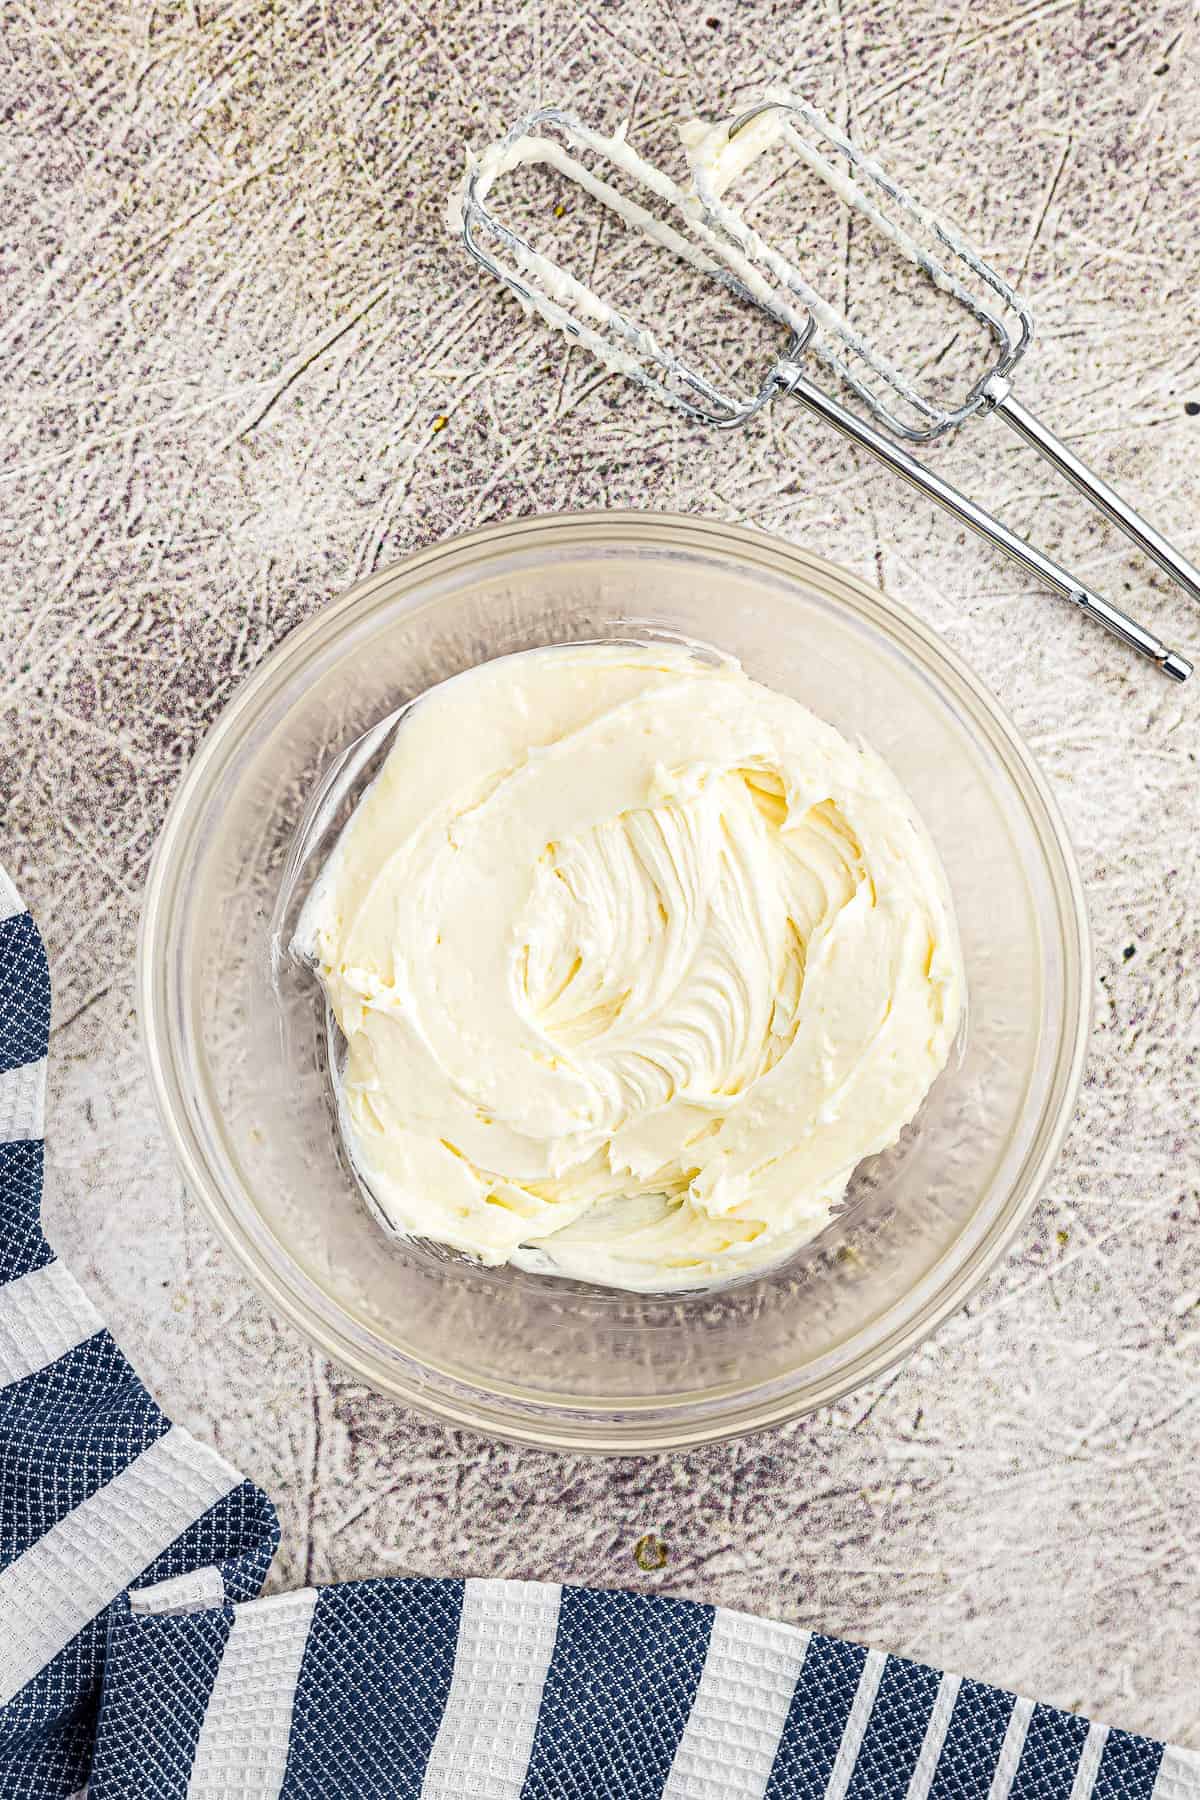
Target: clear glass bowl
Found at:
240, 1065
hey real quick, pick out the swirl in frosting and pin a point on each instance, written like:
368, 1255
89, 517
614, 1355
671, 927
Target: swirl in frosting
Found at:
635, 959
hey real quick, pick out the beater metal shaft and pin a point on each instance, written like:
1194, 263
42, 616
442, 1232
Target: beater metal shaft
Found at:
1006, 406
816, 400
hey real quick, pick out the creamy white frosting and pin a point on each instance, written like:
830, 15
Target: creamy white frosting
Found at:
635, 960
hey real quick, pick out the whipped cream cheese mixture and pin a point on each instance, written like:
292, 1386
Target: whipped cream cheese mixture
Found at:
635, 960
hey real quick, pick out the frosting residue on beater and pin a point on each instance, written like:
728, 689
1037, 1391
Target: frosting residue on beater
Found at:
635, 960
620, 342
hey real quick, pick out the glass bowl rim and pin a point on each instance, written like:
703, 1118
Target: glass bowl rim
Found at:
650, 1426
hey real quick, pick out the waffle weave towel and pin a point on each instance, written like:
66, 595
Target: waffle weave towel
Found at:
136, 1661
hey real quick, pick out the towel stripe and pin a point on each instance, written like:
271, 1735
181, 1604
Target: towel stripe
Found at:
505, 1643
82, 1563
42, 1316
242, 1752
10, 901
619, 1693
1010, 1750
973, 1742
199, 1590
746, 1688
22, 1244
856, 1725
159, 1673
24, 993
1128, 1769
896, 1729
1054, 1741
1178, 1775
816, 1720
77, 1424
23, 1102
1089, 1763
375, 1682
935, 1738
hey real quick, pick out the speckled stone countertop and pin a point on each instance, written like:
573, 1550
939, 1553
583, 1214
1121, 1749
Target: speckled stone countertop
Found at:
242, 365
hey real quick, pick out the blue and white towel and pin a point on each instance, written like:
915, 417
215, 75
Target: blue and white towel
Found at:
136, 1661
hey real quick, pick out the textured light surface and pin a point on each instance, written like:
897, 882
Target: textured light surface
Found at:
242, 365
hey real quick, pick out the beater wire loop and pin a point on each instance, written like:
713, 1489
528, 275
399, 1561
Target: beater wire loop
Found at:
715, 240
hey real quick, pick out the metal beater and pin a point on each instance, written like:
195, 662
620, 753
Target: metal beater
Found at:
717, 240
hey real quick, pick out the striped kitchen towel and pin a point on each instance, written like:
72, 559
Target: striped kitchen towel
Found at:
135, 1660
98, 1490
